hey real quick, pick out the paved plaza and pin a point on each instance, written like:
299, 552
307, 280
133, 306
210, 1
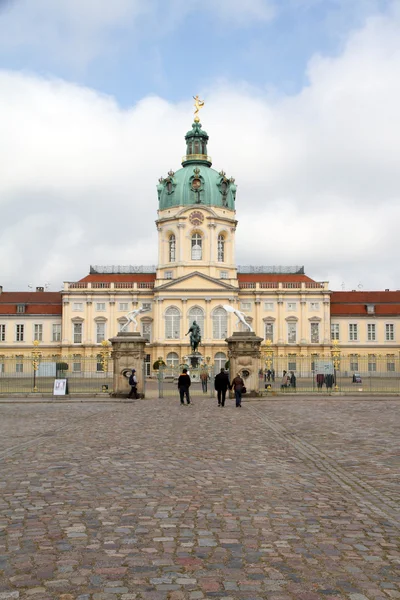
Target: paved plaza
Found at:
285, 499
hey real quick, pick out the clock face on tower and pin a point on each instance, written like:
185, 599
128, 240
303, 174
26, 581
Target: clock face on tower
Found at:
196, 217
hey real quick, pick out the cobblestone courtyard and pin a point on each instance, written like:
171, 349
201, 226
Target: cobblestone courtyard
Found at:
284, 500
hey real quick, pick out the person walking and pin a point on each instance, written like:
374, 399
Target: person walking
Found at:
237, 386
184, 384
204, 380
292, 380
133, 383
285, 381
221, 384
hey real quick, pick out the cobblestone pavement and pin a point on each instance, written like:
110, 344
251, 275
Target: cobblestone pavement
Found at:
293, 500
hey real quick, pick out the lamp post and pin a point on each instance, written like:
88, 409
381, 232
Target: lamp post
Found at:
104, 355
36, 354
335, 352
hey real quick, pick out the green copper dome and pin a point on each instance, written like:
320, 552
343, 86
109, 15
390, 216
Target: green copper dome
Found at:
196, 182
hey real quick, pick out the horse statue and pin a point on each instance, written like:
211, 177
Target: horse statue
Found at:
195, 336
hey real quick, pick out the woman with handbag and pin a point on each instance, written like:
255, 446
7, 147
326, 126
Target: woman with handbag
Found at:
238, 387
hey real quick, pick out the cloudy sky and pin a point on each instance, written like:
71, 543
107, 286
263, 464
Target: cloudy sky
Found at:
302, 108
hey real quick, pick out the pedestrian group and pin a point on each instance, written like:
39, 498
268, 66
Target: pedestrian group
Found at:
221, 385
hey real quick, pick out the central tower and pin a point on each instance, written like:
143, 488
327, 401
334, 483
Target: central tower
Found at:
196, 216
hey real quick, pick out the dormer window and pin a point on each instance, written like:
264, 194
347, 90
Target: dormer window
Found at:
370, 309
20, 308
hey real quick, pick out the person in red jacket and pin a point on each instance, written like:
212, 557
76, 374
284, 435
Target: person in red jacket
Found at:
183, 386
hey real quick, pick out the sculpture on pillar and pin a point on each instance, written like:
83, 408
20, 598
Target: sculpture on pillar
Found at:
131, 318
240, 315
195, 336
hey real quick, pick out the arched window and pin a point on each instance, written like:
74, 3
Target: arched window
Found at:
172, 359
172, 324
196, 246
172, 248
220, 324
197, 314
221, 248
219, 362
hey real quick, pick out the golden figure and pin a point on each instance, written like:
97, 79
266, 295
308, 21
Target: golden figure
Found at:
198, 104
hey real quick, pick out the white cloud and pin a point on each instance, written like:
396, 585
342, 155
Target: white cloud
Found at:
317, 172
76, 32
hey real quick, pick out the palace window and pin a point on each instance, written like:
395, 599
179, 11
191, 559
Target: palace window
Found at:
268, 306
371, 332
292, 362
389, 332
100, 306
269, 331
77, 328
172, 323
223, 274
371, 362
100, 332
123, 306
19, 364
77, 306
221, 248
146, 331
335, 331
314, 305
219, 362
353, 332
197, 246
172, 359
20, 308
146, 305
99, 363
197, 314
38, 332
291, 306
2, 333
19, 333
172, 248
168, 274
56, 337
315, 333
292, 333
390, 362
354, 362
220, 324
245, 306
77, 363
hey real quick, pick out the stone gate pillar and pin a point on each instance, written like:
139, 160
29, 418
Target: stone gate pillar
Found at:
128, 352
244, 353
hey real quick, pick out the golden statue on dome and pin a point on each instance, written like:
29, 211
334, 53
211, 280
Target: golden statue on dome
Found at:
198, 104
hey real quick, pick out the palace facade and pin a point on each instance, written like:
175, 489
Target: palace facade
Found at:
195, 276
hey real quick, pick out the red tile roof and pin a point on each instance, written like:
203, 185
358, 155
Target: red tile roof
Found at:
36, 303
354, 303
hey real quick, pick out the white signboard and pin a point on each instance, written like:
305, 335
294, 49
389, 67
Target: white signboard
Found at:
324, 367
60, 387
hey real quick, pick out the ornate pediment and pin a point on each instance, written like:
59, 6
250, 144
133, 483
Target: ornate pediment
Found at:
196, 282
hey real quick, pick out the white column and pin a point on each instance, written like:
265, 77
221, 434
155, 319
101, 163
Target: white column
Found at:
303, 332
327, 326
281, 322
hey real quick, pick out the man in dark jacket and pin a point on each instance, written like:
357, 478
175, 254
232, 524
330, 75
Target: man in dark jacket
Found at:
133, 383
183, 386
221, 384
